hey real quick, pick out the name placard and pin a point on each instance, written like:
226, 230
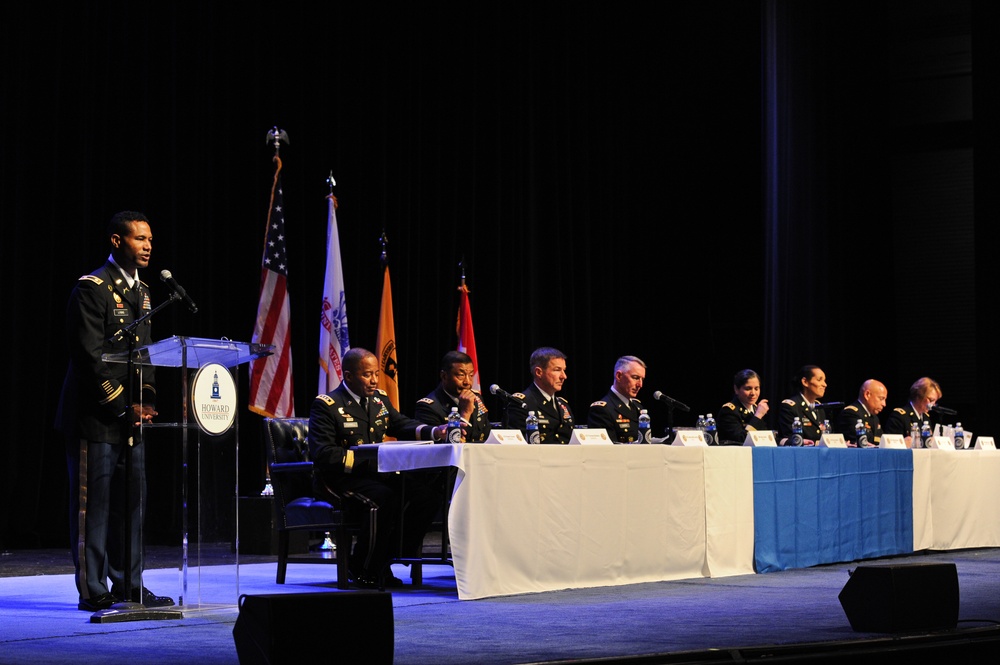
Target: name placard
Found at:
584, 436
689, 437
941, 443
892, 441
506, 436
832, 441
760, 438
985, 443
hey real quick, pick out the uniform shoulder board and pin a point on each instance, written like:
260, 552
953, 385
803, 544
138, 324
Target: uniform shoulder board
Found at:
789, 402
92, 278
850, 407
425, 400
599, 402
729, 405
900, 411
326, 399
518, 395
381, 392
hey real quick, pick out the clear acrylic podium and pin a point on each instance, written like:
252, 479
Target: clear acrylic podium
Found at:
216, 584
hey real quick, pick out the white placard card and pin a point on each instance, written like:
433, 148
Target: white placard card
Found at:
985, 443
583, 436
832, 441
941, 443
689, 437
760, 438
892, 441
506, 436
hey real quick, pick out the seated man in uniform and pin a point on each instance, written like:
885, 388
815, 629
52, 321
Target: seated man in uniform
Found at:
871, 400
455, 389
357, 413
555, 419
618, 411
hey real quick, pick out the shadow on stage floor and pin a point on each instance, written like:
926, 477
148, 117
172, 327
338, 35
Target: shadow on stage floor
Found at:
789, 616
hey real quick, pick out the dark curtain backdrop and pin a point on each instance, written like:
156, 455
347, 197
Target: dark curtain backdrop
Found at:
604, 172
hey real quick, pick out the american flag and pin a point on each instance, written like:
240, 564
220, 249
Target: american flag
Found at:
271, 377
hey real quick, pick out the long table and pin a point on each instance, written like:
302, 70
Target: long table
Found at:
541, 518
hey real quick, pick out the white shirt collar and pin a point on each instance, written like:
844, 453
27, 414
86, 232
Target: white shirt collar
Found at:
129, 279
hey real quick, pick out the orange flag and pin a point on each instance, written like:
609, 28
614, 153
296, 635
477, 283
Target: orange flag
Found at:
385, 347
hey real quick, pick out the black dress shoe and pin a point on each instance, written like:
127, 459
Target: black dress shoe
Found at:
97, 603
147, 598
391, 581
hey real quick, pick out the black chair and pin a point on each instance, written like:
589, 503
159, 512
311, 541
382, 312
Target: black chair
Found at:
296, 508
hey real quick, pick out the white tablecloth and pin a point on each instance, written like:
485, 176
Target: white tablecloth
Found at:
956, 495
541, 518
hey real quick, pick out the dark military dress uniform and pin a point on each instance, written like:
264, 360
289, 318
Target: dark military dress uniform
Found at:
92, 415
434, 410
337, 422
555, 419
901, 419
735, 420
848, 420
811, 416
620, 419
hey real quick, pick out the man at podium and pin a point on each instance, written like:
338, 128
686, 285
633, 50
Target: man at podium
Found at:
96, 414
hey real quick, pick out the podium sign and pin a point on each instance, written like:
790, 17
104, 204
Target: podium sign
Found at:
213, 395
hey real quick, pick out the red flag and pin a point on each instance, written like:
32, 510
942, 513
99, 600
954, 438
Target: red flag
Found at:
271, 377
466, 337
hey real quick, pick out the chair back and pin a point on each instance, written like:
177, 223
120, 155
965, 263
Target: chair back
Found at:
287, 446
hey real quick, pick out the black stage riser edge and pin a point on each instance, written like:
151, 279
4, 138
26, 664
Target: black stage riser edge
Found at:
328, 627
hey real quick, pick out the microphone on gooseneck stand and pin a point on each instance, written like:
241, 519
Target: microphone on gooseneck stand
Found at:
178, 290
671, 401
506, 396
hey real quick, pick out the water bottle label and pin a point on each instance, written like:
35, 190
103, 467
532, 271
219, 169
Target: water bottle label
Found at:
454, 435
534, 437
862, 441
795, 440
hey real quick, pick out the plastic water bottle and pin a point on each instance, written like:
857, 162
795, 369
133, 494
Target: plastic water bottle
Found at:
711, 430
796, 438
644, 435
700, 424
827, 429
914, 435
454, 426
531, 426
959, 437
925, 435
861, 434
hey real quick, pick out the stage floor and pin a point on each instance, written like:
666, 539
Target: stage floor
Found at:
739, 618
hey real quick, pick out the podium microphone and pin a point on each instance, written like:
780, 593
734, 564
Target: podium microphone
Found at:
944, 411
505, 396
671, 401
178, 290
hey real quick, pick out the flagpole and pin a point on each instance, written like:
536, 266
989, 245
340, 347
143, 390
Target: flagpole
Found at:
328, 545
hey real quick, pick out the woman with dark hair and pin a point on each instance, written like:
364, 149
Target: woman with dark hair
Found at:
811, 383
745, 412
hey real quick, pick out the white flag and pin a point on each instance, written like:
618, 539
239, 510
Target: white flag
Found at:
333, 339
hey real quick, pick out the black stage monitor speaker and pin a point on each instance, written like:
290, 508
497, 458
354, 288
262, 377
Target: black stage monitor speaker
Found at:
328, 627
902, 598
